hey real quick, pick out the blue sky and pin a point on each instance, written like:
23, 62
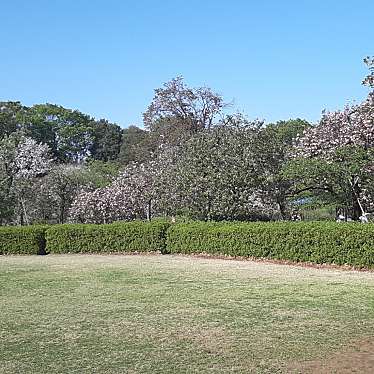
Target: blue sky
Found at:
274, 59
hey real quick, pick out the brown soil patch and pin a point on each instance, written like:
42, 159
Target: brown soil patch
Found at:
357, 357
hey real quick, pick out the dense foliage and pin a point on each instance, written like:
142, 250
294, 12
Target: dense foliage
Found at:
22, 240
316, 242
117, 237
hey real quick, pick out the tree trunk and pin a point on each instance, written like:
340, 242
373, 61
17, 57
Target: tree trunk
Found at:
62, 212
356, 209
283, 209
24, 217
149, 210
208, 212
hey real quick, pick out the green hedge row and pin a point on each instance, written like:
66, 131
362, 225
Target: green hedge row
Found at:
319, 242
22, 240
116, 237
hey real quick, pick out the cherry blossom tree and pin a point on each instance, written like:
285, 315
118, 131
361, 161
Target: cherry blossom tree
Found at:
177, 111
137, 193
343, 142
218, 176
22, 161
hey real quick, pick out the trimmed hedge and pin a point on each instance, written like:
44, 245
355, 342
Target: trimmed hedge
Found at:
133, 236
28, 240
318, 242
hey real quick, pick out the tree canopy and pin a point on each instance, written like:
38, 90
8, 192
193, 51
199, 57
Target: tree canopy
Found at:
193, 157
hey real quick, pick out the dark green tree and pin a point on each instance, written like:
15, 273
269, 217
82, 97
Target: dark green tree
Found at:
136, 145
68, 133
272, 148
107, 138
12, 117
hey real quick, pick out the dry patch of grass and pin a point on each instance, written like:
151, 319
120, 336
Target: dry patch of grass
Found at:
356, 357
168, 314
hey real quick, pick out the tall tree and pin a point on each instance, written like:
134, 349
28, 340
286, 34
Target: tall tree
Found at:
22, 161
68, 133
217, 175
12, 117
56, 192
272, 148
341, 150
179, 109
335, 159
136, 145
106, 142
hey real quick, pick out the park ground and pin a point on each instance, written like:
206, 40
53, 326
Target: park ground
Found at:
176, 314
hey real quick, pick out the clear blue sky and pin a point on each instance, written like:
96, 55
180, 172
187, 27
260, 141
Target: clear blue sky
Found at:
276, 59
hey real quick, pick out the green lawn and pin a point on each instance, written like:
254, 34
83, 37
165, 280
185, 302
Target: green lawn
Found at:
174, 314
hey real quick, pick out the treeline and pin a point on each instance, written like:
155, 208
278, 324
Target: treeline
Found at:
72, 136
193, 158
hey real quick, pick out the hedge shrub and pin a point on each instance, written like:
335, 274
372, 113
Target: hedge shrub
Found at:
116, 237
318, 242
22, 240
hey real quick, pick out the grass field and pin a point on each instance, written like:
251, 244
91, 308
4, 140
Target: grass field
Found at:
174, 314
